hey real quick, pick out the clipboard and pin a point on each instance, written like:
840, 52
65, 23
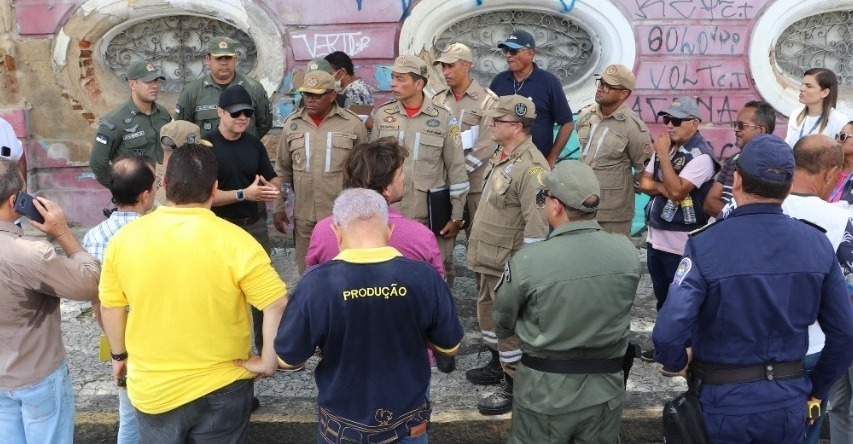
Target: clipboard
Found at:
439, 208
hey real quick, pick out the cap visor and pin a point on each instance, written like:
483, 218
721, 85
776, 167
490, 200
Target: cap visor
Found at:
402, 70
238, 107
151, 77
511, 45
303, 89
445, 59
222, 54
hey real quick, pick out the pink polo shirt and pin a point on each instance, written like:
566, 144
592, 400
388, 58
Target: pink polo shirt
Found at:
409, 237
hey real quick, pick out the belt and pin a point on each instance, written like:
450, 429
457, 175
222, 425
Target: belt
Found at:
572, 366
244, 222
710, 373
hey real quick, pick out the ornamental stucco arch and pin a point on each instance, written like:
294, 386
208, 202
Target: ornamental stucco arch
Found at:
81, 42
605, 21
774, 87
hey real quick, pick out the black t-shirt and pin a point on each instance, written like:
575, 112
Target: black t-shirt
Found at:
239, 162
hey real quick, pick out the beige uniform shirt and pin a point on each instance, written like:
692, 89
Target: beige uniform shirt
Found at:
612, 145
468, 110
507, 216
32, 279
311, 158
435, 155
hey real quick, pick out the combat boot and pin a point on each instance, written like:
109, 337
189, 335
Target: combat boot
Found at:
500, 401
489, 374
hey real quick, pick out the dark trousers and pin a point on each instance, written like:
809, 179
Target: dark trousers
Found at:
260, 232
221, 416
780, 426
662, 266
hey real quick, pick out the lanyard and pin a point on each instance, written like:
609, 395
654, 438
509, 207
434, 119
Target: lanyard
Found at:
813, 126
839, 190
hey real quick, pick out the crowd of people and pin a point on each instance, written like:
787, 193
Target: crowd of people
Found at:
749, 258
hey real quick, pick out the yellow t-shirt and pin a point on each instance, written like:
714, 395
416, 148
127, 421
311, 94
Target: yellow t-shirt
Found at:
187, 276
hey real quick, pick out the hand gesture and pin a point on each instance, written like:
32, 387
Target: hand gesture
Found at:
261, 191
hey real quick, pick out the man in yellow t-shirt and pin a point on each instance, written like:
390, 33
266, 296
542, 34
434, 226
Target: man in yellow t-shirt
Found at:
184, 347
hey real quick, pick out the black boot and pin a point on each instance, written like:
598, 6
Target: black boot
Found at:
500, 401
489, 374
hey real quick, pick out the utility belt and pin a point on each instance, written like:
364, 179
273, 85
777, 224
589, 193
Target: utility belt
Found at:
573, 366
708, 373
335, 429
245, 222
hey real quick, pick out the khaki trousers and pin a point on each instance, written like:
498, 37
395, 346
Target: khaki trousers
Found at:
302, 230
507, 348
446, 245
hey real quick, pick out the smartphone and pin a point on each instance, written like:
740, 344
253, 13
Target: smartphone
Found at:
24, 206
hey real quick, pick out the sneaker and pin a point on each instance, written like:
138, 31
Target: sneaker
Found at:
500, 401
444, 363
648, 355
489, 374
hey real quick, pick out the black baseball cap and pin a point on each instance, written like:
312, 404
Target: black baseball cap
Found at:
235, 98
519, 39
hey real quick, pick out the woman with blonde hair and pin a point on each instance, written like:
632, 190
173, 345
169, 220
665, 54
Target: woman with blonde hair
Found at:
819, 94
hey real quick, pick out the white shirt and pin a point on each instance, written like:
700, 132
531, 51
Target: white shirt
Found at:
10, 140
811, 125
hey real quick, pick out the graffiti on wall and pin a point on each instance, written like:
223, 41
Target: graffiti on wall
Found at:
319, 45
694, 9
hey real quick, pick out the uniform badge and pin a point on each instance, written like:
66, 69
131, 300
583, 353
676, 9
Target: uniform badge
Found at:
102, 138
293, 126
611, 70
520, 109
535, 171
678, 163
683, 268
131, 129
150, 67
128, 119
177, 109
207, 126
401, 61
191, 138
223, 45
389, 119
647, 148
311, 81
433, 123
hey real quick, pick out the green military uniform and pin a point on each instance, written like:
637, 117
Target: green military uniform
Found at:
127, 130
200, 98
469, 110
569, 298
613, 145
311, 157
435, 157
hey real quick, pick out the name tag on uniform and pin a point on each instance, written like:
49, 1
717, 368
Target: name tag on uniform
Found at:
134, 135
205, 108
102, 138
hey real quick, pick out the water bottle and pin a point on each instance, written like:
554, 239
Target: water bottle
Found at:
688, 210
669, 210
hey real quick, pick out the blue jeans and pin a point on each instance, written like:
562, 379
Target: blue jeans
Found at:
128, 429
662, 266
415, 439
40, 414
812, 435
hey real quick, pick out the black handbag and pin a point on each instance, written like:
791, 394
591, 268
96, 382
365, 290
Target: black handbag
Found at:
682, 419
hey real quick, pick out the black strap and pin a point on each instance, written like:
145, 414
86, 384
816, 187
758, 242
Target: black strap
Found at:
710, 373
572, 366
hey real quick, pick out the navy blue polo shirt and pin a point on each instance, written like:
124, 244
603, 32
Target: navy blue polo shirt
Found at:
546, 92
371, 312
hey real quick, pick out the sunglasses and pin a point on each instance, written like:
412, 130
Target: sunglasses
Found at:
512, 52
246, 112
740, 126
841, 137
675, 121
606, 87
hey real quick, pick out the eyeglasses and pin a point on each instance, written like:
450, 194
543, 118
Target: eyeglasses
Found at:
540, 198
606, 87
675, 121
841, 137
739, 126
246, 112
313, 96
513, 52
504, 121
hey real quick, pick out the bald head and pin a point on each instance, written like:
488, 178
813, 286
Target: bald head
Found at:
817, 153
130, 177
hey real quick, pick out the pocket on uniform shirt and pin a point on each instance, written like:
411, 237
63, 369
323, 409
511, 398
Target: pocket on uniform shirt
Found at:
426, 153
612, 150
342, 144
296, 147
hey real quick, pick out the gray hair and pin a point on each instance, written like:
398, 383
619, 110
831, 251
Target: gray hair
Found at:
359, 205
10, 179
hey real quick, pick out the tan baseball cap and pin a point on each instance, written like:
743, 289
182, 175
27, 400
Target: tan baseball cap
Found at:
410, 64
454, 53
177, 133
317, 82
572, 182
221, 47
619, 75
514, 105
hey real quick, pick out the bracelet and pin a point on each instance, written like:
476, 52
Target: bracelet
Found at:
119, 357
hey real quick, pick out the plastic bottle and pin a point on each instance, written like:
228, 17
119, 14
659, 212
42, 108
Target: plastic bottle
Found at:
669, 210
688, 210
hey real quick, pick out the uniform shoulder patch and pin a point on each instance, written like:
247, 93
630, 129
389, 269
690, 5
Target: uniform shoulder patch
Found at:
640, 124
648, 148
102, 138
683, 268
535, 171
106, 123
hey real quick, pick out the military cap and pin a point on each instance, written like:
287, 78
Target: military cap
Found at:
454, 53
144, 71
572, 182
407, 63
514, 105
619, 75
683, 108
222, 47
317, 82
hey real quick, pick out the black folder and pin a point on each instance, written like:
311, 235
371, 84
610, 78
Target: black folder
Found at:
438, 204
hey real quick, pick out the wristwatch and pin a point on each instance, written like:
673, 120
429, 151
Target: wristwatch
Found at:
460, 223
240, 196
119, 357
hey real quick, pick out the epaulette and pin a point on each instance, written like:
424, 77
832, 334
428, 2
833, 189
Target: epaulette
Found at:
821, 229
107, 124
639, 122
350, 113
584, 113
394, 100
